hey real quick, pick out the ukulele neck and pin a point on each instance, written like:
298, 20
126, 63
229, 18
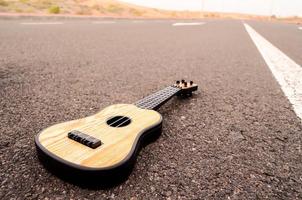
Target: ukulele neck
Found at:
154, 101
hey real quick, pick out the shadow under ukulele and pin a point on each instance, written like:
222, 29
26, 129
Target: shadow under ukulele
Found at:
99, 151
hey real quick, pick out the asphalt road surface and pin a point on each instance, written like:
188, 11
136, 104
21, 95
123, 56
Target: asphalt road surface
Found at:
237, 138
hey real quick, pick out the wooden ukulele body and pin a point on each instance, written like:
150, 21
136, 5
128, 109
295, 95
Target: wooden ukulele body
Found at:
119, 145
101, 149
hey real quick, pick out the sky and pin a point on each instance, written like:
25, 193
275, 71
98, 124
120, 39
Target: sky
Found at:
258, 7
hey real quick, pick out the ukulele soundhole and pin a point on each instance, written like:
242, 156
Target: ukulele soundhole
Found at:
119, 121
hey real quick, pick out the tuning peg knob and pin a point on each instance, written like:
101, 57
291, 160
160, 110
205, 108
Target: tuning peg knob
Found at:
191, 82
177, 82
182, 81
185, 84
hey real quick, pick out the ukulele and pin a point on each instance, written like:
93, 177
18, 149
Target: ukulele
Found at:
107, 143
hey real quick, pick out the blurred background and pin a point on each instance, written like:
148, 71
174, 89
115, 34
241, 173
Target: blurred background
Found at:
277, 9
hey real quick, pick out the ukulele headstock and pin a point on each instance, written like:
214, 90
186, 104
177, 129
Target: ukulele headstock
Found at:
186, 88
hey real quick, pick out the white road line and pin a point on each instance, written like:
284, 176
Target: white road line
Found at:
286, 71
188, 23
103, 22
40, 23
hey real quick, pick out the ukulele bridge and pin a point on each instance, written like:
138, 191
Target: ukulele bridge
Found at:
84, 139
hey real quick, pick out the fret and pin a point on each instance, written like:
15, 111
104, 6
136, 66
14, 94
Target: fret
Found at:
154, 101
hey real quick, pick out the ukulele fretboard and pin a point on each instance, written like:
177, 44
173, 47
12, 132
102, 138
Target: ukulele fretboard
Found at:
154, 101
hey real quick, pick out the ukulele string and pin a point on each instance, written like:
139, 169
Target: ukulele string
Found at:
141, 104
93, 123
112, 114
150, 99
147, 106
150, 102
132, 113
87, 127
129, 119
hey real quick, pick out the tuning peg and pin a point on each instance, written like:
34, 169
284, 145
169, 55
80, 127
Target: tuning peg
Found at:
177, 82
185, 84
182, 81
191, 82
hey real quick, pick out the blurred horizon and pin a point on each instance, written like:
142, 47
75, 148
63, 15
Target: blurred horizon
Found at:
257, 7
251, 9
